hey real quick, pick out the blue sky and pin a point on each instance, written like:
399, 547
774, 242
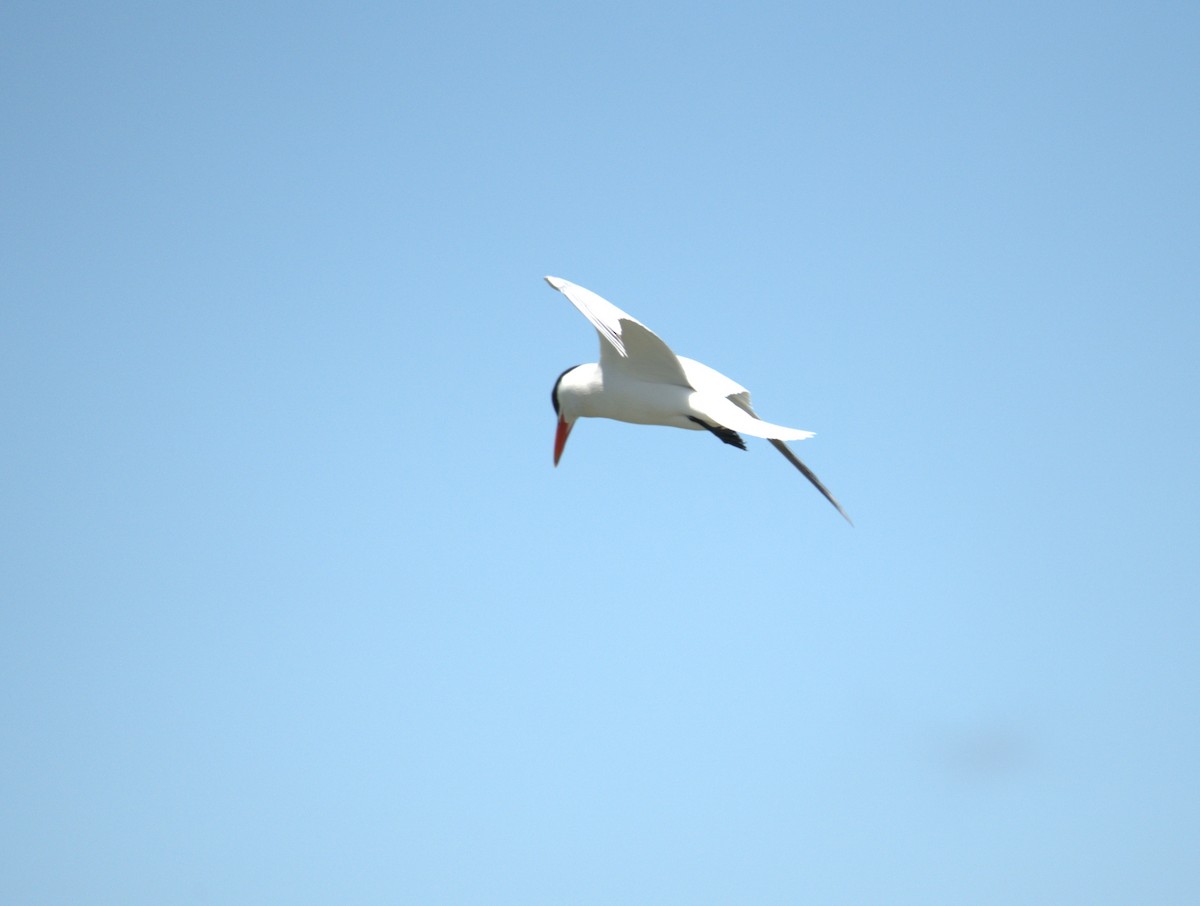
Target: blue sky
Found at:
295, 608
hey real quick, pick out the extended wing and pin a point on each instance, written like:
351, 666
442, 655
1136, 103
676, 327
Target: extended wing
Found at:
626, 344
711, 380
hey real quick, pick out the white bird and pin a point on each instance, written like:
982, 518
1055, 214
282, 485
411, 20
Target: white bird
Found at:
639, 379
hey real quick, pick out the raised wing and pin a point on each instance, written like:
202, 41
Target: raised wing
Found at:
626, 344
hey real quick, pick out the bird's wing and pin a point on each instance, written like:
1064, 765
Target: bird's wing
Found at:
728, 414
626, 344
808, 473
728, 402
709, 379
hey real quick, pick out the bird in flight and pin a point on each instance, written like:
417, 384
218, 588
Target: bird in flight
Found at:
640, 380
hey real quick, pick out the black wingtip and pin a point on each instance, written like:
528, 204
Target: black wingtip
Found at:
811, 476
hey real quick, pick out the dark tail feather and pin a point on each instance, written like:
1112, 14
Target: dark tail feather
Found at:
808, 473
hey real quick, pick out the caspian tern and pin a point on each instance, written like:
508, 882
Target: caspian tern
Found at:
639, 379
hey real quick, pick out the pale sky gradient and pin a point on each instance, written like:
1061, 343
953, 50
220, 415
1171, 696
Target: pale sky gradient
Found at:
294, 608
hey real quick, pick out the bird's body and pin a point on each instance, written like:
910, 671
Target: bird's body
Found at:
588, 391
640, 380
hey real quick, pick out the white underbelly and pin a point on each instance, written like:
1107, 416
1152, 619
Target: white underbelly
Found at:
642, 404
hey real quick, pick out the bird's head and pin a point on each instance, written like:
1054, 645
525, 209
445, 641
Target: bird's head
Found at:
563, 408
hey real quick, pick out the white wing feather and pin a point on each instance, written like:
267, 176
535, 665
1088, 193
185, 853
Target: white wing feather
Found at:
626, 344
709, 380
727, 413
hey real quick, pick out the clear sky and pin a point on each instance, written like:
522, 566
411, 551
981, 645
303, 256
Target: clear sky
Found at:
294, 607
